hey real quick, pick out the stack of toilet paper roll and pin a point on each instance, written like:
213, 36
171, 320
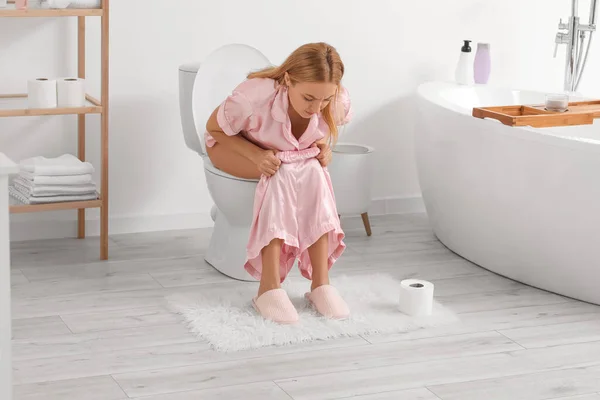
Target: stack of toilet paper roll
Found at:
416, 297
51, 93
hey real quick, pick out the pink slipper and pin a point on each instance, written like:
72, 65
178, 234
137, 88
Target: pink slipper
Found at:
328, 302
275, 305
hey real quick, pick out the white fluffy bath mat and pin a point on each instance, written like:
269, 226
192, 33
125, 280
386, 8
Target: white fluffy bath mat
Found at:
226, 319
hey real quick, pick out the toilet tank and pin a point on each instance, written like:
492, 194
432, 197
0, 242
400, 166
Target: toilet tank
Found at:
187, 76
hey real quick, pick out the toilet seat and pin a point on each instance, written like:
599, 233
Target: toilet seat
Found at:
209, 167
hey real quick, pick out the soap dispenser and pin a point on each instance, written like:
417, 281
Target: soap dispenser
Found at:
482, 63
464, 69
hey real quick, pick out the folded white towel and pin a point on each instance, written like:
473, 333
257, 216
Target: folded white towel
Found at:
48, 199
30, 189
56, 180
67, 164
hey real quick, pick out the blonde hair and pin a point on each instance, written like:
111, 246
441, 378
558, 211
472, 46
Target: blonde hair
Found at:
312, 62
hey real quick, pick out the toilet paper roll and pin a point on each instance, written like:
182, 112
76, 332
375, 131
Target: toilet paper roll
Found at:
416, 297
41, 93
70, 92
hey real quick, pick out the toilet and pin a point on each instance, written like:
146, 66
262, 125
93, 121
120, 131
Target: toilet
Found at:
202, 87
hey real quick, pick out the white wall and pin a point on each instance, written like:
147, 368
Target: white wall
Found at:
389, 48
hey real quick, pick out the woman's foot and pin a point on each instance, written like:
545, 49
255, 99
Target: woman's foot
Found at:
272, 302
327, 301
275, 305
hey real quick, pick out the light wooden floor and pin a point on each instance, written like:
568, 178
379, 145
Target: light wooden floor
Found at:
93, 330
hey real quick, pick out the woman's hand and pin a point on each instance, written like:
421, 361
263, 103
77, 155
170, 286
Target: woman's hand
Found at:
267, 162
325, 155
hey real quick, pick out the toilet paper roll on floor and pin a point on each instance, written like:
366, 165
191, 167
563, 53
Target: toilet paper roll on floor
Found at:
70, 92
416, 297
41, 93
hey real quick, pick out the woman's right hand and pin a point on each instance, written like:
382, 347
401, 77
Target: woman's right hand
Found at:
267, 162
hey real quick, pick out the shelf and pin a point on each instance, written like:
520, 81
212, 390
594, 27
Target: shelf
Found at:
11, 11
15, 105
17, 208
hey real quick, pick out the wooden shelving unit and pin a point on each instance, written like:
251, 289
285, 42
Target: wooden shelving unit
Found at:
15, 105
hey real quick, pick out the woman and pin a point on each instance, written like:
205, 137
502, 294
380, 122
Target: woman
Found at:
277, 126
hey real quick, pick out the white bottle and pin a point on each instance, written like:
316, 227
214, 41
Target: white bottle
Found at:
464, 70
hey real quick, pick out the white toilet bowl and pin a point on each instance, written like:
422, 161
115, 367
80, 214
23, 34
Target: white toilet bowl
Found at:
202, 87
234, 200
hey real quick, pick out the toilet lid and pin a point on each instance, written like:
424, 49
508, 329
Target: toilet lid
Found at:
221, 72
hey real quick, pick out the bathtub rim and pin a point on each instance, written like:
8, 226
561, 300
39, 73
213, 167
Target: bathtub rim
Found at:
430, 92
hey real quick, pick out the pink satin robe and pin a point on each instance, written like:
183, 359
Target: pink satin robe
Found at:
297, 204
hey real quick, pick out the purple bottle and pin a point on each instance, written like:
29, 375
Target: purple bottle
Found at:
482, 65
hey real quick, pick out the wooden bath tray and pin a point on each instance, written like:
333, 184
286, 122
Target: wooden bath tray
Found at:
579, 113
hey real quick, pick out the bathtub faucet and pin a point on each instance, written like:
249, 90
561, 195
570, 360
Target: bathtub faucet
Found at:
574, 35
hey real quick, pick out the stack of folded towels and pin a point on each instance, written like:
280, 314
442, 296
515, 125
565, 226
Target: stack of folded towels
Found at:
50, 180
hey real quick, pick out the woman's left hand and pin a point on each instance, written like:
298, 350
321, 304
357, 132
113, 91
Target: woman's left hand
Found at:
324, 156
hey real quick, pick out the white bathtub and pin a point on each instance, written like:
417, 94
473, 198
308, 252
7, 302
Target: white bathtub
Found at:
521, 202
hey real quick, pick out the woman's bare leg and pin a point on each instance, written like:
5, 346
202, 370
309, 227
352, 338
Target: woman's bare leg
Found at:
318, 253
324, 297
270, 278
232, 163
